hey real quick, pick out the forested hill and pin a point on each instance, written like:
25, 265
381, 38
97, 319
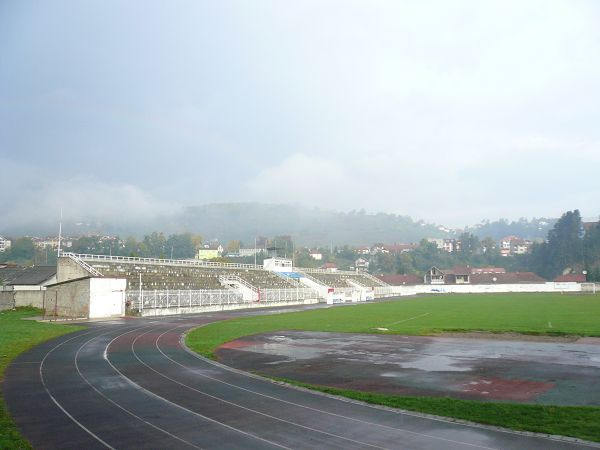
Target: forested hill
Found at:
533, 229
308, 226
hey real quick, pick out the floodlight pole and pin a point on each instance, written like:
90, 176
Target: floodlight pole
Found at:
59, 232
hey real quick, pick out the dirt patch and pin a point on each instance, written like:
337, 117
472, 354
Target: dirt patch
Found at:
551, 370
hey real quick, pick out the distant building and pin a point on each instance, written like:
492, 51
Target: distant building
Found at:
514, 245
4, 244
439, 242
52, 242
393, 248
210, 251
363, 250
571, 278
250, 251
330, 266
361, 265
316, 255
450, 245
489, 275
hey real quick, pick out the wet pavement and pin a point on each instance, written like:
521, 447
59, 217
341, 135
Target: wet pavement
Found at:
559, 373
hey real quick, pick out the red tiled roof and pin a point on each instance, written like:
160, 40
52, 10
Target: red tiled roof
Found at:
399, 280
570, 278
506, 278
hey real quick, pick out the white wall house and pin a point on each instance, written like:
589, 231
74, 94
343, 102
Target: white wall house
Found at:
4, 244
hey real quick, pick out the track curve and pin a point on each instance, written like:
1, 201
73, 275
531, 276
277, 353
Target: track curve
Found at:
132, 384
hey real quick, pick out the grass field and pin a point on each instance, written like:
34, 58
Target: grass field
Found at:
550, 314
16, 336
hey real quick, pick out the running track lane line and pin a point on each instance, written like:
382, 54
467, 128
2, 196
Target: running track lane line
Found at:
399, 412
399, 430
115, 403
179, 406
244, 407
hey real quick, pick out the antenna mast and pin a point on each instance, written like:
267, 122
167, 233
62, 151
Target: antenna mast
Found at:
59, 232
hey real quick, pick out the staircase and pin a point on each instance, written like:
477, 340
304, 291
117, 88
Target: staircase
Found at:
248, 291
81, 263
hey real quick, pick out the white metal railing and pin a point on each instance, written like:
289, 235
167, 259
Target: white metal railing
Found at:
142, 300
82, 263
165, 262
384, 291
286, 295
228, 279
339, 272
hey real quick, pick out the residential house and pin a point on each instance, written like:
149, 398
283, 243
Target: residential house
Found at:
316, 255
514, 245
361, 265
4, 244
571, 278
210, 251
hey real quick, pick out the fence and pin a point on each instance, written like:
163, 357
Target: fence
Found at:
164, 262
187, 299
286, 295
140, 300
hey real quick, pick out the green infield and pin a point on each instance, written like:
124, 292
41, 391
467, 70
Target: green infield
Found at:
540, 314
16, 336
551, 314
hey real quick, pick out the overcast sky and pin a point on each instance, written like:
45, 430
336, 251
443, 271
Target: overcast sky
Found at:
448, 111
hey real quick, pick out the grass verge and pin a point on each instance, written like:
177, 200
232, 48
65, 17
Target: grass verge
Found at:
538, 314
573, 421
16, 336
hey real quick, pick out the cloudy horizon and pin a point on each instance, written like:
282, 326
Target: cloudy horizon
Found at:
449, 112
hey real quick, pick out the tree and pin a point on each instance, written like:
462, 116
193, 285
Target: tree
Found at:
180, 246
563, 249
154, 245
233, 246
22, 250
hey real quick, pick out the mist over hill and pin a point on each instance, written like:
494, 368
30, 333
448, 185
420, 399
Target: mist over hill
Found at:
307, 225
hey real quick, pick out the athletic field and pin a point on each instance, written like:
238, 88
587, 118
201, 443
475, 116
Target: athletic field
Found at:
527, 314
551, 314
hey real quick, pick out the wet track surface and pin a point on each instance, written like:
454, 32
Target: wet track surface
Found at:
130, 384
552, 373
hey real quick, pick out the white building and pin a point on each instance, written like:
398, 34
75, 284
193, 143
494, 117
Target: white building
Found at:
316, 255
4, 244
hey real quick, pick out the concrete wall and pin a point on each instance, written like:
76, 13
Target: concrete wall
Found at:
70, 299
67, 269
485, 288
225, 307
30, 298
7, 300
87, 298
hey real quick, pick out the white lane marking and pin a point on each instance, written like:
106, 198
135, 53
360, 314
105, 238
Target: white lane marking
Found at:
83, 427
406, 320
367, 405
398, 430
238, 405
183, 407
115, 403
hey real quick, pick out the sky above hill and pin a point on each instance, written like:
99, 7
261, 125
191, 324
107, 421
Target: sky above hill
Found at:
450, 112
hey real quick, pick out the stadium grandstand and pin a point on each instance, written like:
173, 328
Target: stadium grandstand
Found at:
163, 274
344, 279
